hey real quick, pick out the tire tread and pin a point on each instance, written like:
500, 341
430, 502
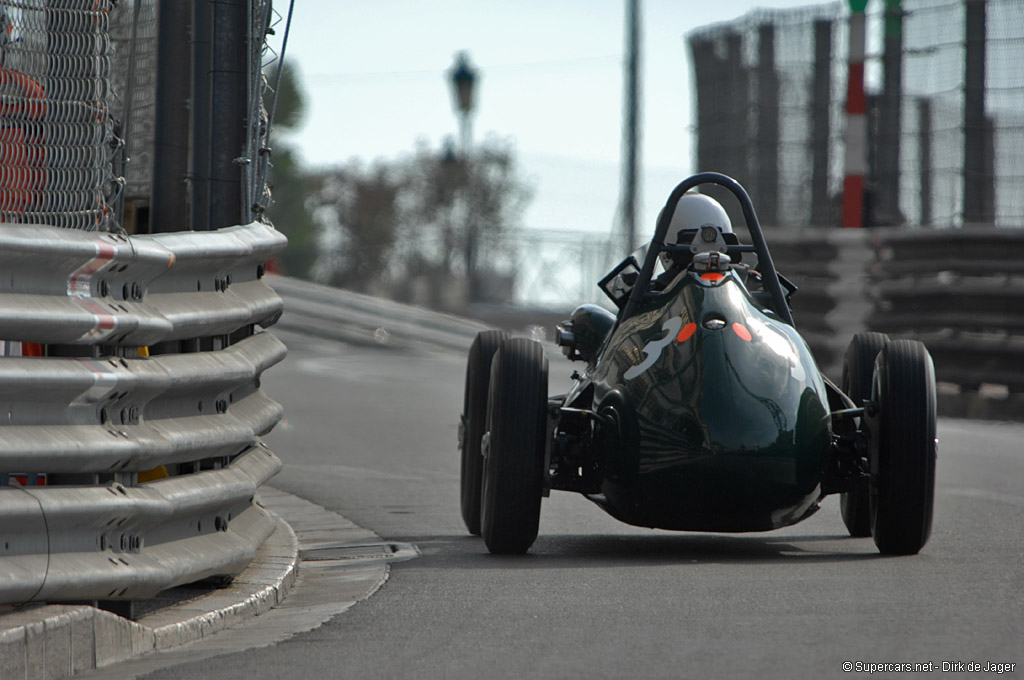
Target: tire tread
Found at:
904, 455
513, 471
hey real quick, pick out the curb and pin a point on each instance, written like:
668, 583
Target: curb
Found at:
43, 642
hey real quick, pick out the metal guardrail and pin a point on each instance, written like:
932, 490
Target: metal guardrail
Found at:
126, 543
99, 288
958, 291
143, 420
354, 318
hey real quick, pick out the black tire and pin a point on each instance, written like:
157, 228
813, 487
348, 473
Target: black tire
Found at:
902, 448
858, 367
474, 424
514, 456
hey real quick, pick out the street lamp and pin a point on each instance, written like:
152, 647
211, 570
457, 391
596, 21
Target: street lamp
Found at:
463, 80
463, 77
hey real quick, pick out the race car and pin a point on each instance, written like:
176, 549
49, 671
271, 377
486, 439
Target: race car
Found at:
698, 406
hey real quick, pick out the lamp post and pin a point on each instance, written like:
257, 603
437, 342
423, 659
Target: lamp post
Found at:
462, 77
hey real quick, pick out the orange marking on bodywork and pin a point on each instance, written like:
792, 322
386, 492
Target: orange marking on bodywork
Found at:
741, 331
687, 332
712, 276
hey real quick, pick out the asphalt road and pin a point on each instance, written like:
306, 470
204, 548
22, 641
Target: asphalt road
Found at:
371, 434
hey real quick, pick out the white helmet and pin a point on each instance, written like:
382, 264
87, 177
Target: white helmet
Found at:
694, 211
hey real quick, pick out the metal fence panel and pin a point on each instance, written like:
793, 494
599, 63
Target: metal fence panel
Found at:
943, 80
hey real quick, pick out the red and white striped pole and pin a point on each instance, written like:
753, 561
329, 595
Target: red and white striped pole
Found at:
856, 121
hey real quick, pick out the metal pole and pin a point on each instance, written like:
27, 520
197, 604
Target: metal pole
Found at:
228, 111
887, 144
975, 175
463, 80
200, 140
735, 114
856, 121
924, 160
280, 69
989, 183
170, 147
126, 131
466, 133
821, 213
469, 255
705, 65
767, 195
631, 131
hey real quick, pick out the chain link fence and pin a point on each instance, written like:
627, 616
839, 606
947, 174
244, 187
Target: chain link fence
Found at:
133, 36
86, 112
56, 124
945, 83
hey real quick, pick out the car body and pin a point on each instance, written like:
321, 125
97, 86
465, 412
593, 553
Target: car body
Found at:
700, 407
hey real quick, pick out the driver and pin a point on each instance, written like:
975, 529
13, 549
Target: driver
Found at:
693, 211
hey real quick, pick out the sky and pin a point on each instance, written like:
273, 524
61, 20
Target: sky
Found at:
550, 78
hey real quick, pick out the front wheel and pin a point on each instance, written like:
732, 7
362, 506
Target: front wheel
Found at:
858, 368
514, 449
474, 424
902, 448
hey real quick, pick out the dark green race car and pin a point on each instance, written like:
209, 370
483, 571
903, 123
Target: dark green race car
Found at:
700, 407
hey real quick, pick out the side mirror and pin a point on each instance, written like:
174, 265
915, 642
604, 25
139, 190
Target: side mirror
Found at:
620, 281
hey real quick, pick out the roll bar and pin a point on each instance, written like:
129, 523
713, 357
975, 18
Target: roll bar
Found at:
769, 276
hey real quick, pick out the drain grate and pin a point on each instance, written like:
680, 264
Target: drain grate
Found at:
360, 552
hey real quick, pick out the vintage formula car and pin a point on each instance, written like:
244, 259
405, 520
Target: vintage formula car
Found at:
699, 406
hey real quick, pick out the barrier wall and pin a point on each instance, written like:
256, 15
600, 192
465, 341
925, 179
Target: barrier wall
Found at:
131, 411
958, 291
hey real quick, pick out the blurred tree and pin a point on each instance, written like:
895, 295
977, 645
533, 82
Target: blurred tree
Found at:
463, 210
290, 107
290, 185
433, 219
357, 212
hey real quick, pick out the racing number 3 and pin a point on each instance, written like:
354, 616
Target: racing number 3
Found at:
652, 350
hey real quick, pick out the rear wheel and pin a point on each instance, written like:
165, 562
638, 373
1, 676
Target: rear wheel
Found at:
858, 367
474, 424
902, 448
515, 447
